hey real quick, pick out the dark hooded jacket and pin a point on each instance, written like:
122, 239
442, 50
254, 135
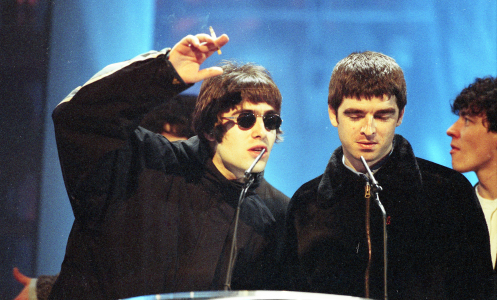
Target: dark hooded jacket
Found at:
437, 237
153, 216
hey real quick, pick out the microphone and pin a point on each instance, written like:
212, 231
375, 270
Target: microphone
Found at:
376, 188
249, 179
248, 172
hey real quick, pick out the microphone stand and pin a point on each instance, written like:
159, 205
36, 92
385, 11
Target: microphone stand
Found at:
376, 188
249, 179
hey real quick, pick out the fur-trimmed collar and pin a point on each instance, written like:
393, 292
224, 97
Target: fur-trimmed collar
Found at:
400, 174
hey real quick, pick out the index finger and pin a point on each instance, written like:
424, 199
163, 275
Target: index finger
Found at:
208, 43
21, 277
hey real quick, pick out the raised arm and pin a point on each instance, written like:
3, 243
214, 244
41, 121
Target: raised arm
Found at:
101, 116
188, 54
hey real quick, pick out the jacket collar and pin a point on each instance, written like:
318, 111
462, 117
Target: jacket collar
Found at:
399, 174
253, 211
206, 159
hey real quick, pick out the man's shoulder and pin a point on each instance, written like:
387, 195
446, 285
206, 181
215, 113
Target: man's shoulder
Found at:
443, 183
307, 190
267, 190
431, 170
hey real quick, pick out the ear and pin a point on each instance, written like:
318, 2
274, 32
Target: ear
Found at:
210, 136
166, 127
333, 116
401, 116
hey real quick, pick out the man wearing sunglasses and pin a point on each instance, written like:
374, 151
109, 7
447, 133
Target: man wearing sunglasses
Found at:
154, 216
337, 229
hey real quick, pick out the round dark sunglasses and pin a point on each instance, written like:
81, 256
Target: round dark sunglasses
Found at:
247, 119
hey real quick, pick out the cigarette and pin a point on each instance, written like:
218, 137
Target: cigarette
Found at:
213, 35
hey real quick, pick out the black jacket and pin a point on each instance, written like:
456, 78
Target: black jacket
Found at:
437, 237
153, 216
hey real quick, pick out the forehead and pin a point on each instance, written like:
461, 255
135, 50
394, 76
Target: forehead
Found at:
261, 107
373, 103
467, 112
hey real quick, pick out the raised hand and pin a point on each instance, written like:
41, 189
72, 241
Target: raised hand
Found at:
189, 53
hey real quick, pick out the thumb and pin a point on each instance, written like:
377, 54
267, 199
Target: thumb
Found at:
209, 72
23, 279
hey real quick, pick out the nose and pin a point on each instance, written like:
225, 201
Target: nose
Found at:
369, 128
453, 130
259, 130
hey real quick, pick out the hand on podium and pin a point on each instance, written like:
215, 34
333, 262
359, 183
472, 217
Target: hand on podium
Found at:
24, 280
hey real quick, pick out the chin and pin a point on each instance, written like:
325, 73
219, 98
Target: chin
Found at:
461, 169
368, 156
259, 168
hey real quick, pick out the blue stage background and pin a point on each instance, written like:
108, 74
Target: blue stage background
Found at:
441, 45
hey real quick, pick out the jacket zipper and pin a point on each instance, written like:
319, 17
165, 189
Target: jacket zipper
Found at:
367, 196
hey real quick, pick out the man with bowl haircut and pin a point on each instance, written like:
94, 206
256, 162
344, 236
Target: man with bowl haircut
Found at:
474, 149
250, 102
336, 234
154, 216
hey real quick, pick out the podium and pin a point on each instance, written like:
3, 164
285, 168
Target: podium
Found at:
245, 295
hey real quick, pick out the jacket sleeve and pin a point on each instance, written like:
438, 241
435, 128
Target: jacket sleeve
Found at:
44, 285
99, 118
457, 255
469, 259
297, 278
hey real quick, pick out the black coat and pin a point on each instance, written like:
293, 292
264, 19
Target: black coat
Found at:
153, 216
437, 239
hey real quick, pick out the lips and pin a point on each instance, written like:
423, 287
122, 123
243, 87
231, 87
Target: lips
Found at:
367, 145
454, 149
257, 149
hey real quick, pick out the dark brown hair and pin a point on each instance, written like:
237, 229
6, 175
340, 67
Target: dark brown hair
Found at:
177, 112
479, 99
219, 94
367, 74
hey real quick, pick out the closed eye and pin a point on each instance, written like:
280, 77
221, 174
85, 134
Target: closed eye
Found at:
354, 114
385, 115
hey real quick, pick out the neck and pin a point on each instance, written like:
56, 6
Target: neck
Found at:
487, 183
487, 191
218, 163
173, 137
358, 166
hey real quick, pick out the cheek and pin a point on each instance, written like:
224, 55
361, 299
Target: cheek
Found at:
233, 135
349, 129
469, 138
271, 139
387, 129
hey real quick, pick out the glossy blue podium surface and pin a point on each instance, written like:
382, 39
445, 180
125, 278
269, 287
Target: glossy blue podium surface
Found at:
245, 295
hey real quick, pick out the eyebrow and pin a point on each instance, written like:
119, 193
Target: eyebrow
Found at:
350, 111
386, 111
271, 111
